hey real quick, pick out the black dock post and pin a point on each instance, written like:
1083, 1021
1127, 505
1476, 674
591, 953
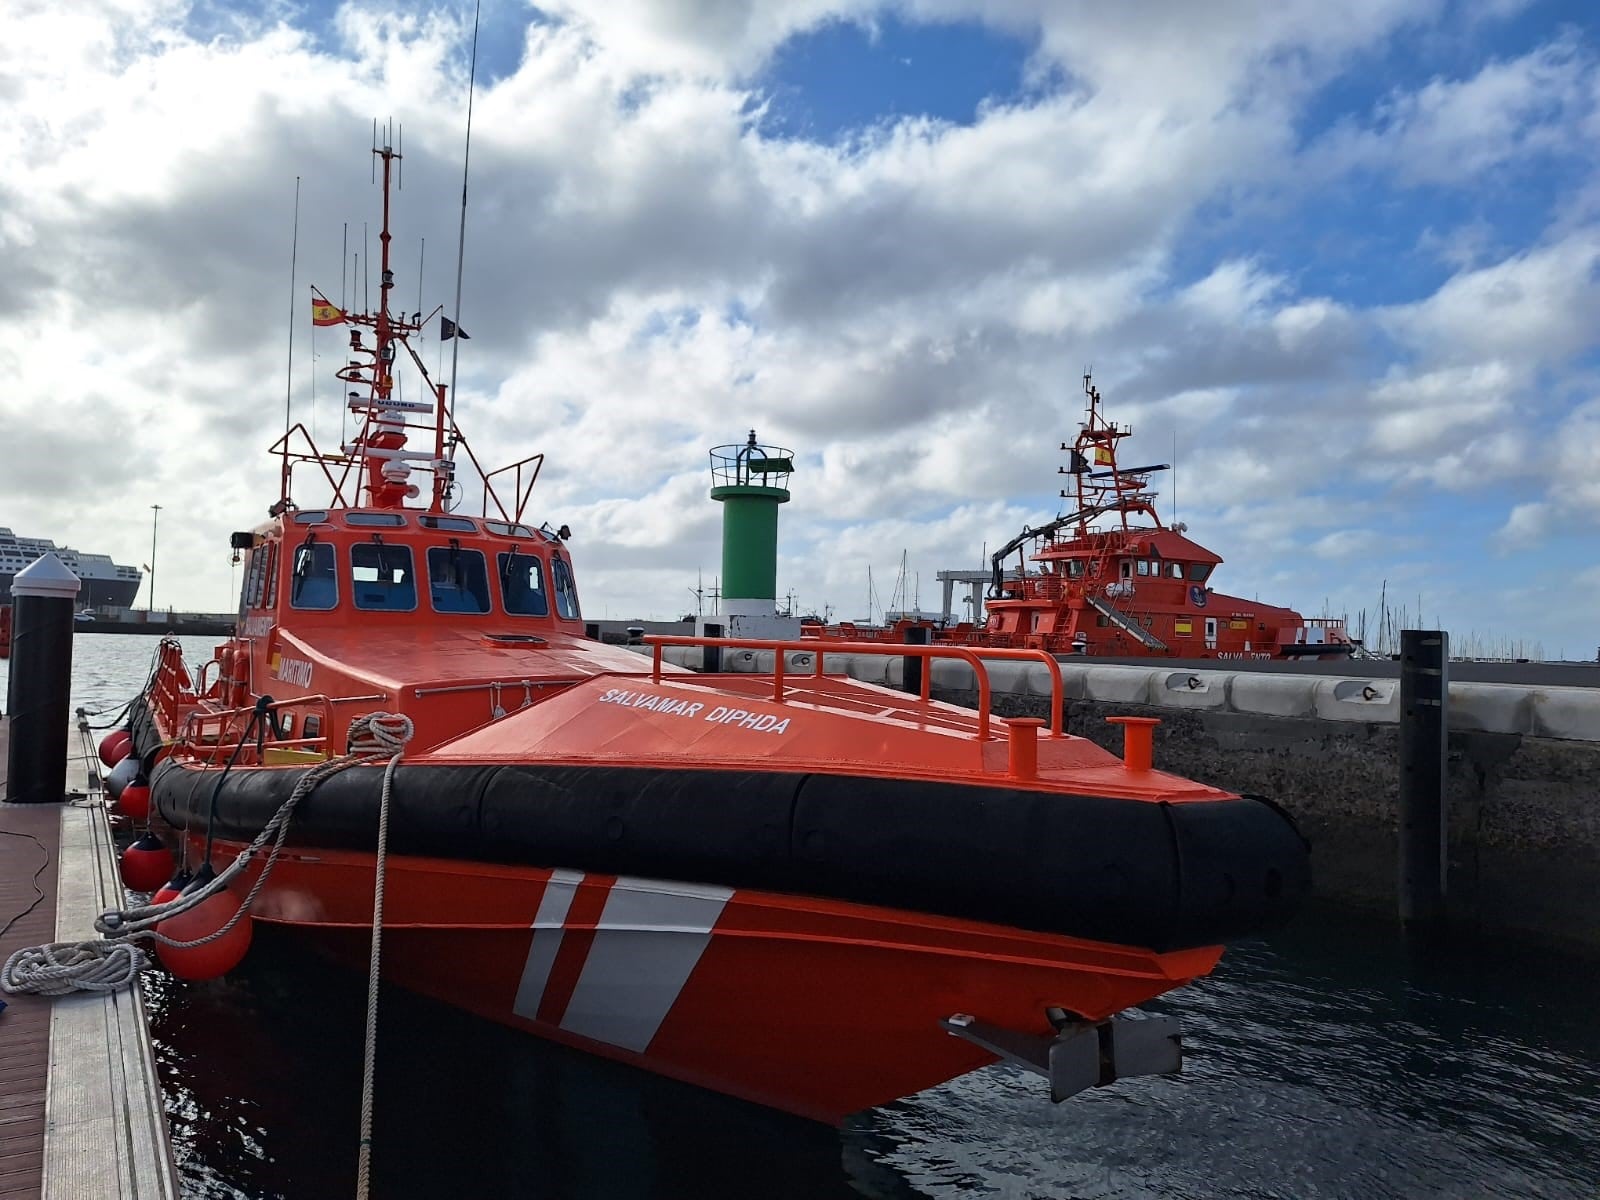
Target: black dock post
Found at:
912, 667
711, 656
38, 696
1424, 730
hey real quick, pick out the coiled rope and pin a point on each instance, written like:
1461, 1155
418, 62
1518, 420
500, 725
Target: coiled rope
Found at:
112, 961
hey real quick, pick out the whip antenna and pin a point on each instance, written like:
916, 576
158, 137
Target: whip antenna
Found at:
461, 241
344, 275
288, 386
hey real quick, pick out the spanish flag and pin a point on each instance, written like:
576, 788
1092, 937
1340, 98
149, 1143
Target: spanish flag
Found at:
1102, 456
323, 313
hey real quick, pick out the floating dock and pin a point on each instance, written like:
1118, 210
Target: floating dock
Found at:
81, 1112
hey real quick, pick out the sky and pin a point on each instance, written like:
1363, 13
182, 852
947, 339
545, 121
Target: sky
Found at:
1338, 262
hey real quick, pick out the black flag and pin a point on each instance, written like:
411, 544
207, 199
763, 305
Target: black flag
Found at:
449, 329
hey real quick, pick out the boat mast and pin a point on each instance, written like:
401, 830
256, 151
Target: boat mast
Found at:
288, 386
380, 448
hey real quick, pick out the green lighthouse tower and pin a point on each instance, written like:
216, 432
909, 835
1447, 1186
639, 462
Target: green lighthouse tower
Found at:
750, 481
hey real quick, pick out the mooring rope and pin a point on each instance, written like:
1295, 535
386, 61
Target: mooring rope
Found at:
374, 960
112, 961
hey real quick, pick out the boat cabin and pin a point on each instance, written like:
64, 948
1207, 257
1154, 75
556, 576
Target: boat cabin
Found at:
315, 567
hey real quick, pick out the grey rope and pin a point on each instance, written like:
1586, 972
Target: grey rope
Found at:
370, 1053
111, 961
62, 967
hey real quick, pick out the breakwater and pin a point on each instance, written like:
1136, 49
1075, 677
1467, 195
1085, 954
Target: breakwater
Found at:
1522, 770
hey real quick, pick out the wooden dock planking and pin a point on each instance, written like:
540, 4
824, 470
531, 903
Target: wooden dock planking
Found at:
25, 1024
81, 1112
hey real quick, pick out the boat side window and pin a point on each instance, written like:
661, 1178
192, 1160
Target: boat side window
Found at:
381, 577
252, 578
1127, 569
311, 516
458, 581
452, 524
1175, 570
269, 590
522, 585
507, 529
1199, 571
389, 519
1075, 568
566, 591
313, 583
1143, 567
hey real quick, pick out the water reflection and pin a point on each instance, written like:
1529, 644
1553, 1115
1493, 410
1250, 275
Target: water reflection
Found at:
1329, 1061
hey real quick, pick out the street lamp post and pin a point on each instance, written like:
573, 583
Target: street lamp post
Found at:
155, 515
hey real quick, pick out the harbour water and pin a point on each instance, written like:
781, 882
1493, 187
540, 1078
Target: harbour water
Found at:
1329, 1060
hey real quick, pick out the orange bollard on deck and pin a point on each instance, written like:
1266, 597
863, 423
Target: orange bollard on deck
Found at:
1138, 740
1024, 746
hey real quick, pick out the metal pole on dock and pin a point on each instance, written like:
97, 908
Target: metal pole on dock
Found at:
1424, 730
38, 696
912, 666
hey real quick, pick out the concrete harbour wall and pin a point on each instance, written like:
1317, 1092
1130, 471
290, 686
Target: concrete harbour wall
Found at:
1523, 785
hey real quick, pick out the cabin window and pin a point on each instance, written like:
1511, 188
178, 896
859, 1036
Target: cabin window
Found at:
1102, 620
381, 577
389, 520
250, 594
458, 581
269, 592
252, 577
1143, 568
1075, 568
1199, 571
311, 516
1127, 569
1175, 570
566, 591
313, 583
506, 529
449, 524
522, 585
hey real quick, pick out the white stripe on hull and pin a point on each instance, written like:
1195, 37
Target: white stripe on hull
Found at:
547, 923
649, 937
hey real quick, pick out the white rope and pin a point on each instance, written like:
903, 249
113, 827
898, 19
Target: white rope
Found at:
374, 960
112, 961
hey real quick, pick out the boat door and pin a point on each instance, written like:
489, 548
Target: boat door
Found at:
1211, 633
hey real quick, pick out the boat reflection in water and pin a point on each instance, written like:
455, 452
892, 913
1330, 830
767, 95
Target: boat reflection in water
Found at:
1329, 1060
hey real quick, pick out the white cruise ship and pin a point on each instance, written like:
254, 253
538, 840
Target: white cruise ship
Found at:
105, 584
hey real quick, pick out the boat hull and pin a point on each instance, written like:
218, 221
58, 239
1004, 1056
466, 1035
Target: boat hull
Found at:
1158, 875
816, 1007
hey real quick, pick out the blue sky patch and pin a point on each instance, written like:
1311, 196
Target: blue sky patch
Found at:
842, 77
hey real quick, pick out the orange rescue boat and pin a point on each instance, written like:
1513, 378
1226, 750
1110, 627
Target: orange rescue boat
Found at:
803, 890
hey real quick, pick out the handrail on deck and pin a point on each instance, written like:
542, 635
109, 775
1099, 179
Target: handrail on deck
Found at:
194, 726
821, 648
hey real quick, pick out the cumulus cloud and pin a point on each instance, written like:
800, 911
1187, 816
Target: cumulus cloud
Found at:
1455, 130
